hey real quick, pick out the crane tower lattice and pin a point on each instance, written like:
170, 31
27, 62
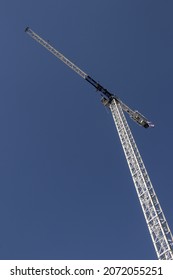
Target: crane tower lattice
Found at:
158, 227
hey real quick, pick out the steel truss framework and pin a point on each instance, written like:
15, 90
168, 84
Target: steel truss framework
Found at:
157, 224
55, 52
155, 219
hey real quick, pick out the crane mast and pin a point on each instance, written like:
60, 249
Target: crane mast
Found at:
158, 227
155, 219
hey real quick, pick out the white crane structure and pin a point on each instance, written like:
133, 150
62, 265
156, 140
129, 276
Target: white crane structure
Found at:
158, 227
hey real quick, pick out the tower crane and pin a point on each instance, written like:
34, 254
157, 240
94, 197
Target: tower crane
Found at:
157, 225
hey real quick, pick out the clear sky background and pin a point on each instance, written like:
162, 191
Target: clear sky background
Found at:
65, 188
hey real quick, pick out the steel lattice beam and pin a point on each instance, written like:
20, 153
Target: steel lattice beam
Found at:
155, 219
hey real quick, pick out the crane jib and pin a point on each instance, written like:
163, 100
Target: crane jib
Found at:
107, 96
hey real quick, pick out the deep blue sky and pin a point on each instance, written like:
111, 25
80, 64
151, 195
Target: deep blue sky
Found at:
65, 188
